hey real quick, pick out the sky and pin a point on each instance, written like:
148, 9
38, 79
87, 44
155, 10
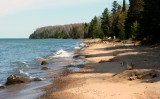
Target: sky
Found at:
20, 18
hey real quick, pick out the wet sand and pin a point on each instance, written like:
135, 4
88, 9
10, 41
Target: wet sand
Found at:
107, 75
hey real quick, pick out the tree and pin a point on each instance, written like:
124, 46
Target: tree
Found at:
86, 30
101, 33
134, 13
120, 25
135, 31
105, 24
115, 7
124, 6
116, 10
93, 28
150, 22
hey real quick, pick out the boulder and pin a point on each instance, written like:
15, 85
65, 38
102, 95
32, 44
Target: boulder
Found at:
44, 68
13, 79
2, 86
44, 63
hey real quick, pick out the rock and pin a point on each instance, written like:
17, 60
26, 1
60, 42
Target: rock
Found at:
41, 59
13, 79
24, 80
37, 79
129, 67
44, 63
2, 86
44, 68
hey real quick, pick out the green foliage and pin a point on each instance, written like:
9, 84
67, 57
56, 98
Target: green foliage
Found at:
93, 29
122, 35
116, 10
115, 7
142, 20
86, 26
101, 33
105, 23
134, 13
150, 21
124, 6
61, 32
135, 33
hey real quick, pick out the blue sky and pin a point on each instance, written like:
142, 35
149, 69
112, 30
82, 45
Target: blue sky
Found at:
20, 18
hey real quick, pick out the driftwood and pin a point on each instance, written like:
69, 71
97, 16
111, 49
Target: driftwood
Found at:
153, 75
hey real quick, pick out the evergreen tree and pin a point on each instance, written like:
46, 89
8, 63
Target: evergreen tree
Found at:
101, 33
105, 23
93, 28
134, 13
135, 31
116, 10
115, 7
150, 22
124, 6
86, 30
121, 20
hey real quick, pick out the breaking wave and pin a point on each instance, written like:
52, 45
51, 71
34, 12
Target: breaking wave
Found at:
62, 53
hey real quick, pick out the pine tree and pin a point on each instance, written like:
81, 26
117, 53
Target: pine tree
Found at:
105, 24
85, 30
121, 20
135, 31
150, 22
115, 7
93, 28
124, 6
134, 13
101, 33
116, 10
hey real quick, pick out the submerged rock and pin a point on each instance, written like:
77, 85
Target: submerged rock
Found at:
44, 63
44, 68
37, 79
2, 86
13, 79
40, 59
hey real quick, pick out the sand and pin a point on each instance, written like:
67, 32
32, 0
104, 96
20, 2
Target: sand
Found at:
110, 79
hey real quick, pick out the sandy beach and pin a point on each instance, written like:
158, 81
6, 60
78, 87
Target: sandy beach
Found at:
115, 71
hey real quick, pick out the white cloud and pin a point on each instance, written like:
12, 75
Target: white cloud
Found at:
13, 6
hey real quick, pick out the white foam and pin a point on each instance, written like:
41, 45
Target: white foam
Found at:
82, 45
76, 48
36, 78
62, 53
23, 73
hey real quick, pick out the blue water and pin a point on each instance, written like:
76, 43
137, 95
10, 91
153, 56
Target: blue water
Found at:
19, 56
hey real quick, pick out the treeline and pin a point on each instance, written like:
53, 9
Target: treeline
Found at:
74, 31
138, 21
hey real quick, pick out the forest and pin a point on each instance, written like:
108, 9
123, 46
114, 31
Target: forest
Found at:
140, 20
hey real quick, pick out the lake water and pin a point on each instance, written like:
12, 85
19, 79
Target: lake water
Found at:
19, 56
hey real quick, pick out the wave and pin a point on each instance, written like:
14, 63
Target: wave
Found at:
82, 45
62, 53
36, 78
77, 48
21, 73
21, 64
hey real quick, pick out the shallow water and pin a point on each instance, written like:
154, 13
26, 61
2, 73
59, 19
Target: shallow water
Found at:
19, 57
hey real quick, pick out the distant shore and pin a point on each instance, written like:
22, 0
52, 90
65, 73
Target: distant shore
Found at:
108, 75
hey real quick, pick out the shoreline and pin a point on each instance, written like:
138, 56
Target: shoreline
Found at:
107, 75
55, 68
